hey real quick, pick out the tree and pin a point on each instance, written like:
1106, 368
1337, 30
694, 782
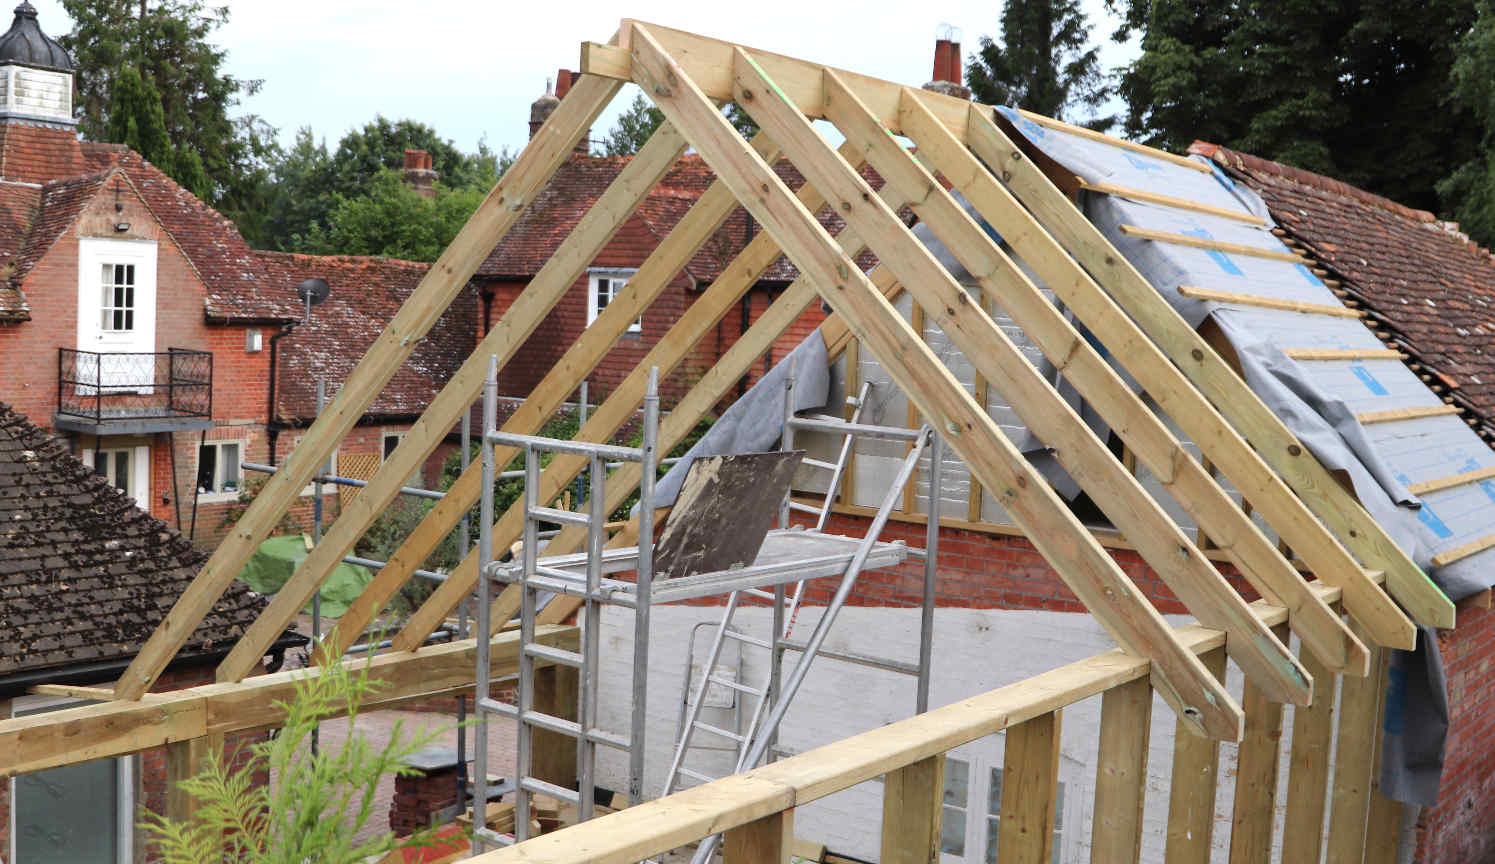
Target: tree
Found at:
168, 46
1044, 63
395, 221
1469, 192
137, 120
636, 124
311, 184
1350, 89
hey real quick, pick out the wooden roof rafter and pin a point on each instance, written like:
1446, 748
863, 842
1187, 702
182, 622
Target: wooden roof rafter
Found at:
687, 75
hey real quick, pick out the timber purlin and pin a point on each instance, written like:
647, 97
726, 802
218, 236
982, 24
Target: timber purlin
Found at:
687, 76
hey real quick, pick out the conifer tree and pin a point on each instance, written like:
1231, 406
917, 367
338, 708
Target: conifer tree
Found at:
1044, 63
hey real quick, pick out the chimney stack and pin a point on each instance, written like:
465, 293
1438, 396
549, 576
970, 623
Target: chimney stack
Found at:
540, 109
949, 72
419, 175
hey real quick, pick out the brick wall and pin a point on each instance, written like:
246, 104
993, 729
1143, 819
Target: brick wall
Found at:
1462, 825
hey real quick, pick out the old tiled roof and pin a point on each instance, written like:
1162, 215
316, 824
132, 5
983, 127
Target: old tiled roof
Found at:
211, 242
18, 205
366, 294
581, 180
85, 575
1418, 276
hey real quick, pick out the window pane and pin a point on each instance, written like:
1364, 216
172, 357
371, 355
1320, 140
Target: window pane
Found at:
101, 464
230, 476
994, 793
991, 841
122, 470
129, 274
207, 466
129, 320
957, 780
604, 293
390, 443
953, 831
68, 815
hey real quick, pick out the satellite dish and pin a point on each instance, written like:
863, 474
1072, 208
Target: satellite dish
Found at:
313, 291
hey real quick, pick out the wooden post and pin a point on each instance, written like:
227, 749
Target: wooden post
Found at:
769, 840
1256, 775
1354, 761
1308, 768
1191, 794
184, 759
1030, 778
1121, 776
912, 803
557, 691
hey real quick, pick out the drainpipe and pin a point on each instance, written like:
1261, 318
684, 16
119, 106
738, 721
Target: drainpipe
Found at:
272, 426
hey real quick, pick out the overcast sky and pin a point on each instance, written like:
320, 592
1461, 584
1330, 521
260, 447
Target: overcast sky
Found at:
471, 69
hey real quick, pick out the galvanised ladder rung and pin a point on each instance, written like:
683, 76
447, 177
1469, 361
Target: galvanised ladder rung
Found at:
552, 514
539, 787
555, 655
818, 463
743, 637
556, 724
696, 775
492, 836
717, 730
805, 508
735, 685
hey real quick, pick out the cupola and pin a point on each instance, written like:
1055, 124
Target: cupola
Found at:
36, 73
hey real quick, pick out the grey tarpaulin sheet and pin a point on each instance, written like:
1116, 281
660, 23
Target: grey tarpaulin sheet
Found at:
754, 421
1317, 400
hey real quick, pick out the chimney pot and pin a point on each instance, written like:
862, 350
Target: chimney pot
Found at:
957, 68
941, 60
562, 83
413, 160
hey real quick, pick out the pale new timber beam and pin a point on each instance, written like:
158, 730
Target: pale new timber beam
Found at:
1050, 524
769, 840
1355, 762
653, 276
1211, 245
1308, 773
1121, 773
657, 826
1256, 778
560, 272
1451, 481
1331, 354
1030, 783
1180, 564
1228, 391
37, 742
912, 808
1170, 201
1396, 414
708, 61
1192, 787
1111, 486
1103, 138
1148, 438
420, 311
1239, 299
782, 313
735, 280
1472, 548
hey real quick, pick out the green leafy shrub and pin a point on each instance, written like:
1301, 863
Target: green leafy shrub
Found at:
316, 804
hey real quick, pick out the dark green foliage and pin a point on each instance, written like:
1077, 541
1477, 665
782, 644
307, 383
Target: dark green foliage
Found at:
1044, 63
1355, 90
641, 119
137, 120
353, 201
1469, 193
166, 46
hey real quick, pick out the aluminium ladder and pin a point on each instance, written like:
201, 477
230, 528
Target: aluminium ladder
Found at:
766, 695
587, 661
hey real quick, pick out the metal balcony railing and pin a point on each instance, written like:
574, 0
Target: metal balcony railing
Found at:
104, 386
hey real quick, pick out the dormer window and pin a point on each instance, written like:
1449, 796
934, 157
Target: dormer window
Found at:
119, 297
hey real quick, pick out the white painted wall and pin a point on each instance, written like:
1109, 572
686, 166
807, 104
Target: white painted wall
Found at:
974, 651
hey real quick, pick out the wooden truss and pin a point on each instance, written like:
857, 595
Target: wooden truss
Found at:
977, 153
687, 76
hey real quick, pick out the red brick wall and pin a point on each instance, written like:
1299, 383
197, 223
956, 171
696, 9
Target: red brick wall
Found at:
1462, 826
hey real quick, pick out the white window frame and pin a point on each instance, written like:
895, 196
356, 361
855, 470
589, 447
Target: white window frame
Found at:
215, 497
980, 762
416, 479
93, 254
617, 280
128, 769
139, 485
